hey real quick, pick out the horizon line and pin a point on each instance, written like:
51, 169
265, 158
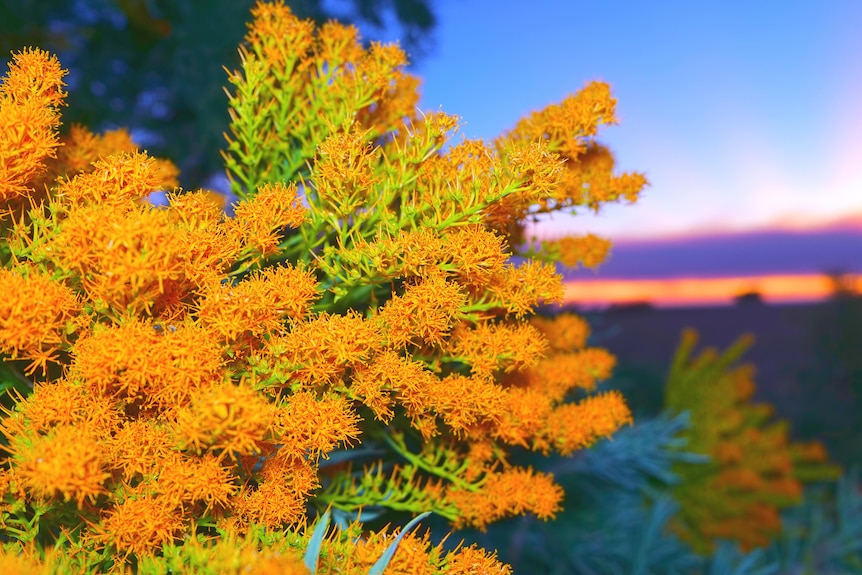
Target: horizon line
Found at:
699, 291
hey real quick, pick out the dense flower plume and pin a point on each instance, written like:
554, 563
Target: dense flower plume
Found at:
194, 370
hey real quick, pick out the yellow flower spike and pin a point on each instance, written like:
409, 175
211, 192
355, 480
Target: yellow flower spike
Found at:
187, 481
309, 425
426, 312
565, 332
117, 179
476, 254
226, 418
343, 174
30, 96
140, 526
573, 251
521, 289
320, 350
35, 316
575, 426
559, 373
512, 492
68, 461
259, 305
492, 347
258, 221
279, 500
151, 365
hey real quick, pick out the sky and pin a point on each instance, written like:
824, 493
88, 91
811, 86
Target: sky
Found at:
745, 116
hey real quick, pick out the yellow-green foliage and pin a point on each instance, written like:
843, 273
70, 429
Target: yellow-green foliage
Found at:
187, 372
754, 472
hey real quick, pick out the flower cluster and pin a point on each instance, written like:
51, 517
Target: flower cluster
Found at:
194, 371
755, 471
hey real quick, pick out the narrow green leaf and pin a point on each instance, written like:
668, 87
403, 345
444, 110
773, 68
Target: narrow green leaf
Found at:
379, 567
312, 552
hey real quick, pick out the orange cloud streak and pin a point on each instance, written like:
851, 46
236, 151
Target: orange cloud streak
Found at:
700, 291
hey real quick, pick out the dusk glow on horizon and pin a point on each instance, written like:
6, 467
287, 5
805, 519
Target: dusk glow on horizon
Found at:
691, 292
743, 115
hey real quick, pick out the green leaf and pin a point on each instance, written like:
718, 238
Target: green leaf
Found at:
379, 567
312, 552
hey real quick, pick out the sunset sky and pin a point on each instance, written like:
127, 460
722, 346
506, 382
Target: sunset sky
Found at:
745, 116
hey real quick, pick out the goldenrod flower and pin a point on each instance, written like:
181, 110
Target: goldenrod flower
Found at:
140, 446
30, 95
560, 373
258, 221
227, 418
307, 425
37, 316
473, 560
188, 481
63, 403
520, 289
279, 499
320, 350
388, 378
140, 525
148, 364
115, 180
512, 492
426, 312
67, 461
565, 332
574, 426
492, 347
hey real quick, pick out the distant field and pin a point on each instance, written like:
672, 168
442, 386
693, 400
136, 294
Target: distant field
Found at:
789, 375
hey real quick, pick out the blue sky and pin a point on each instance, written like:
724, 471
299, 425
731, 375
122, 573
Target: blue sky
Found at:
743, 114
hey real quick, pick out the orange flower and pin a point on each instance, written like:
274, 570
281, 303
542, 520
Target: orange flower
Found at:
573, 251
259, 304
140, 447
320, 350
232, 419
343, 176
558, 374
463, 402
476, 254
141, 525
30, 95
520, 289
68, 460
150, 364
117, 180
312, 426
565, 332
124, 257
515, 491
490, 347
189, 480
258, 221
37, 315
279, 499
81, 148
388, 376
426, 311
472, 560
60, 403
574, 426
525, 416
279, 36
